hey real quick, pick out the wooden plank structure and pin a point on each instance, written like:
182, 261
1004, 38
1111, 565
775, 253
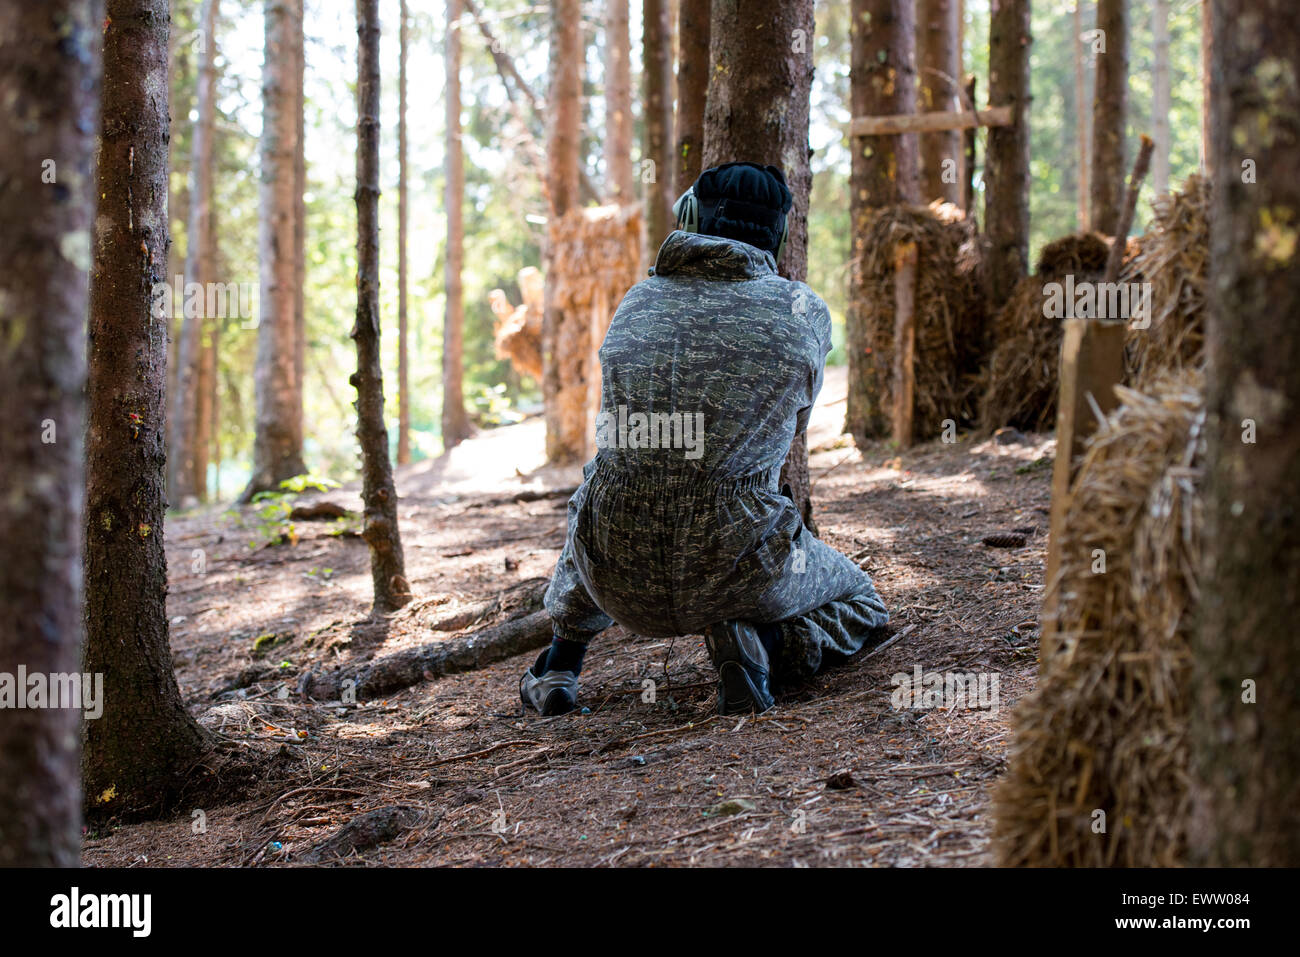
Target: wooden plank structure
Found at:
905, 275
1092, 364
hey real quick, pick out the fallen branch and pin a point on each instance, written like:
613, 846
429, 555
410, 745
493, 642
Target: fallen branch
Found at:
514, 636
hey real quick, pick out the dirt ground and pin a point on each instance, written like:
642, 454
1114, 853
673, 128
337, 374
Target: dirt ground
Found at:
453, 772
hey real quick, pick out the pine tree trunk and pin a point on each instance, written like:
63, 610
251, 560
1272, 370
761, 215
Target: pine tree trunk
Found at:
1109, 113
1082, 115
403, 213
692, 89
566, 434
1246, 730
1207, 67
657, 64
277, 445
298, 45
938, 60
180, 101
1160, 97
49, 70
620, 184
1006, 195
757, 111
379, 495
145, 741
188, 453
455, 422
883, 173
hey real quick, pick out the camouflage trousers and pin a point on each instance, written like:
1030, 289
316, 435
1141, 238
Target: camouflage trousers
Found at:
664, 553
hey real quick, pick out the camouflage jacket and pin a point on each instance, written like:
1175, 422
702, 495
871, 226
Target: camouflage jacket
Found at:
712, 365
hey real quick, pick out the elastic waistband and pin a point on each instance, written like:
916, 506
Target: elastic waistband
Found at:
653, 478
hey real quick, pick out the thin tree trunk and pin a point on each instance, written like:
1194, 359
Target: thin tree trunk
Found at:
1160, 97
883, 173
379, 495
49, 70
1082, 118
188, 465
180, 97
1207, 68
566, 436
455, 421
298, 45
657, 66
144, 743
403, 212
692, 89
620, 185
1006, 196
757, 110
1246, 728
277, 444
938, 59
1109, 113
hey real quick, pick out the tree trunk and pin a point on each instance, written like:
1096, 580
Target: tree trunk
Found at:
1006, 196
692, 89
657, 64
187, 465
938, 59
566, 436
379, 495
757, 111
1109, 113
1246, 732
144, 742
49, 70
297, 41
403, 213
1207, 68
883, 173
1160, 97
277, 445
1082, 115
455, 422
620, 185
180, 93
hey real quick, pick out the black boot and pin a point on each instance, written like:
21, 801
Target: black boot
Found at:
742, 664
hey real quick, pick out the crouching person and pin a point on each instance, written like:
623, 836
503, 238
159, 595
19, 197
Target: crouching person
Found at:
709, 369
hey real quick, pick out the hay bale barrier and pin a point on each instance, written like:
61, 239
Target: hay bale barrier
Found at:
1174, 257
1105, 730
1021, 382
949, 315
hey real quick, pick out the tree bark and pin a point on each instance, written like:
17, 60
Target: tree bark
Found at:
145, 741
277, 444
938, 60
692, 89
1246, 748
297, 43
757, 111
180, 93
1006, 196
1082, 115
455, 422
403, 213
566, 438
657, 66
49, 70
1207, 68
1109, 114
187, 464
379, 495
883, 173
1160, 96
620, 185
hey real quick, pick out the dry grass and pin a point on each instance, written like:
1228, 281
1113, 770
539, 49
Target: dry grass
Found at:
1105, 729
1174, 258
1021, 383
949, 313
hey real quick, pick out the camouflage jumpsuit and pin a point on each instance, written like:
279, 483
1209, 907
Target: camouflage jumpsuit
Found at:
668, 533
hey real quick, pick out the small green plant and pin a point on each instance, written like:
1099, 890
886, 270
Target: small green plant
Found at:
274, 506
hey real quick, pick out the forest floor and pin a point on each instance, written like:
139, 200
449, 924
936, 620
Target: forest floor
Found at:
453, 772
